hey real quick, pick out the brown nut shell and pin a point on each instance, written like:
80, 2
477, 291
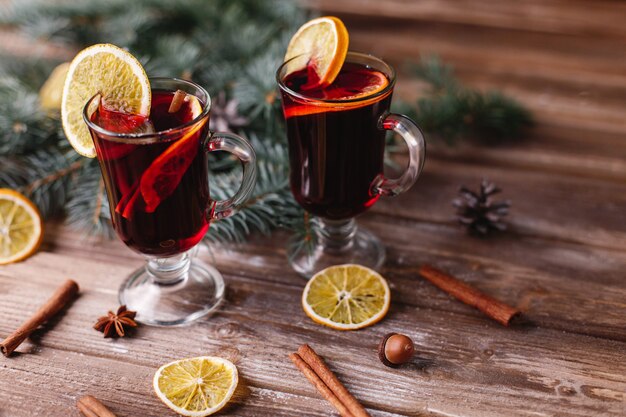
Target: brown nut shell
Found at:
381, 351
404, 357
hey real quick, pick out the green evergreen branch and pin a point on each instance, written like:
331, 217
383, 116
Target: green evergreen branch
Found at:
23, 128
230, 47
88, 207
451, 110
43, 175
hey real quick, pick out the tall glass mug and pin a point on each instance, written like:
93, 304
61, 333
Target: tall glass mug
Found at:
157, 184
336, 153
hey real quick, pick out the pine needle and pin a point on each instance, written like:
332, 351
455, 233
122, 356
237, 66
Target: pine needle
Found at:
237, 64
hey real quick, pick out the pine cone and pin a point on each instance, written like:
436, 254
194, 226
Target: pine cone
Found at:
478, 212
224, 114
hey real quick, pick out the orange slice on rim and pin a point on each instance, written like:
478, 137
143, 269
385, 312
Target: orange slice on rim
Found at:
325, 42
116, 75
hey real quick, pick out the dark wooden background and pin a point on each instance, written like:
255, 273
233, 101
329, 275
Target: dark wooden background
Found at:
563, 261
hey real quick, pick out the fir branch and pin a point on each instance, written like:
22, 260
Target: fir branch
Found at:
88, 207
44, 176
23, 126
196, 39
255, 90
305, 232
161, 64
451, 110
52, 177
438, 75
270, 199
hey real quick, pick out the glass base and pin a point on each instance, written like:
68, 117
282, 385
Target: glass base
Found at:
338, 242
173, 291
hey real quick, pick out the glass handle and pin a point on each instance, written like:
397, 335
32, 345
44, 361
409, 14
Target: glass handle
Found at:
414, 139
239, 147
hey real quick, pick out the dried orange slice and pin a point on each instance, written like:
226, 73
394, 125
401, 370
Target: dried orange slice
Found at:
110, 71
196, 387
21, 227
346, 297
325, 42
51, 92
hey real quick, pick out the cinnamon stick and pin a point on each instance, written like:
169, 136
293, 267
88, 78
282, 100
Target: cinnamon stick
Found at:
495, 309
59, 299
177, 101
320, 385
91, 407
330, 379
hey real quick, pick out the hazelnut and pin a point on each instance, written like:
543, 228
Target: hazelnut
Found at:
395, 349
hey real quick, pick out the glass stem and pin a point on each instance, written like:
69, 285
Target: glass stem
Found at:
337, 236
170, 270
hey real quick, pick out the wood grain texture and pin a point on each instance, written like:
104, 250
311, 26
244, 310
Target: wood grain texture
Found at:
459, 350
573, 79
562, 261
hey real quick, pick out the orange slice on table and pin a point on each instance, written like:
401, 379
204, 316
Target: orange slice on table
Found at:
324, 41
21, 227
196, 387
346, 297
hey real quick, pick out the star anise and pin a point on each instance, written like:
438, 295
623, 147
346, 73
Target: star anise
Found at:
113, 324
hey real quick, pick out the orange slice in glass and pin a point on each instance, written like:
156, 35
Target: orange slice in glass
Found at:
350, 89
164, 173
325, 42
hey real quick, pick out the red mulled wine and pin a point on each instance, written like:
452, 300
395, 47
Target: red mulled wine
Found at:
157, 189
336, 148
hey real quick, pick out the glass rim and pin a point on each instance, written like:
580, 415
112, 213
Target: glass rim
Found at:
150, 137
391, 74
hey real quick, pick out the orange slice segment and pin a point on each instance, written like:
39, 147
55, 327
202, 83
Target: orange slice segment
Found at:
164, 174
324, 41
369, 85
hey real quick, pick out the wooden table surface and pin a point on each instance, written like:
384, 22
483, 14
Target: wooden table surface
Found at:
563, 261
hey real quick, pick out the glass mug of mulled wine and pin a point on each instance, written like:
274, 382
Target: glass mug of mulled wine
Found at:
155, 172
336, 138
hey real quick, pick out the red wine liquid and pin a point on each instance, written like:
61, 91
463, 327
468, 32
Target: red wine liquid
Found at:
335, 151
158, 192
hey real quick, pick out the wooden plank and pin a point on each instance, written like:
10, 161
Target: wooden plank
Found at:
558, 233
574, 83
549, 281
554, 207
567, 375
552, 150
545, 274
554, 16
490, 54
562, 262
